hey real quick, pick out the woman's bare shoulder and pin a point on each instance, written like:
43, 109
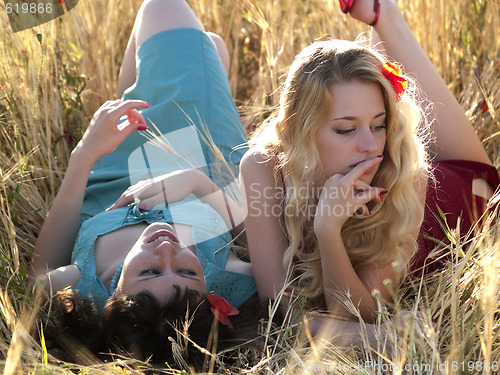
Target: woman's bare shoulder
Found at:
257, 162
258, 156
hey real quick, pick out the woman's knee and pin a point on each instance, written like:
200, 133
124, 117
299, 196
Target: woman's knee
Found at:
156, 16
221, 47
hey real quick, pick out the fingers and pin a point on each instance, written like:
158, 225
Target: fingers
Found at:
127, 197
110, 104
360, 185
124, 200
353, 178
153, 203
134, 117
354, 189
129, 108
360, 191
365, 196
130, 195
359, 170
147, 192
144, 205
125, 106
135, 121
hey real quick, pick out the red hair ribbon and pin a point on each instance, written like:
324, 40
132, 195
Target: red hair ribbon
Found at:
221, 309
393, 73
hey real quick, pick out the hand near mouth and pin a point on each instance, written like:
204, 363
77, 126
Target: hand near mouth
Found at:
379, 157
344, 195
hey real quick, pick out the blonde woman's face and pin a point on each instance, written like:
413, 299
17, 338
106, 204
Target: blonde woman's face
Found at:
157, 262
355, 130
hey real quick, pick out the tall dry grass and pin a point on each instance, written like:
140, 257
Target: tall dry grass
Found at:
50, 89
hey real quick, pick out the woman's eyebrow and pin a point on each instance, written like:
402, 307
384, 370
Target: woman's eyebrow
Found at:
192, 277
349, 118
352, 118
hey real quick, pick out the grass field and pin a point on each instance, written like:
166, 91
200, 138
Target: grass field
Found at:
53, 77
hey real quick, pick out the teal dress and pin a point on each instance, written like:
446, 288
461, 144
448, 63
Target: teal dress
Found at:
209, 234
197, 125
180, 74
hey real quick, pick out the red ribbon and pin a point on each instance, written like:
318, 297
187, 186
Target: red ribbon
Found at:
393, 73
221, 309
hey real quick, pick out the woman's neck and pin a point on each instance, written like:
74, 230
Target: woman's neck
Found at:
107, 276
111, 249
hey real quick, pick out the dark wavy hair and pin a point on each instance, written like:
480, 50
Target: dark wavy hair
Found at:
178, 333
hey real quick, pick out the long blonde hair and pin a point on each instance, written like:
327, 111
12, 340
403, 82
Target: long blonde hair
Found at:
289, 137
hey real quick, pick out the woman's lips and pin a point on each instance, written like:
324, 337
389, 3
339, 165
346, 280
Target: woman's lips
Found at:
163, 233
356, 164
362, 161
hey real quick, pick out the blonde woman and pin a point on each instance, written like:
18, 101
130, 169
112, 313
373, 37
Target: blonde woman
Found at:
337, 181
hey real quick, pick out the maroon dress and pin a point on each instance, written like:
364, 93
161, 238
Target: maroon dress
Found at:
451, 191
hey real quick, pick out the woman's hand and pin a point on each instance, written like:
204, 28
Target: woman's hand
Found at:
103, 135
167, 188
343, 196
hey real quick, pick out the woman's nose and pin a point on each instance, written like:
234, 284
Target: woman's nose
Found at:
166, 253
367, 142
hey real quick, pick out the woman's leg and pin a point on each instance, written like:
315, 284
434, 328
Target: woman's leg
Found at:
126, 78
221, 48
455, 136
153, 17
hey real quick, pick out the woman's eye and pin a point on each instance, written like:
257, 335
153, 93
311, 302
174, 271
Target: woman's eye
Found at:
380, 127
344, 131
186, 272
150, 272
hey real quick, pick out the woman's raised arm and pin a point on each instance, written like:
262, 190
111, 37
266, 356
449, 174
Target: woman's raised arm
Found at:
455, 135
58, 234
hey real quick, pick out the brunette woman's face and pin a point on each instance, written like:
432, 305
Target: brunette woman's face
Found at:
157, 262
355, 130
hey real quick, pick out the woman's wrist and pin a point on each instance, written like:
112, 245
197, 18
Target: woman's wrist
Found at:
81, 159
391, 21
330, 240
325, 230
201, 184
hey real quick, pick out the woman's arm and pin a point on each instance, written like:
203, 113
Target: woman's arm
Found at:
343, 333
455, 135
267, 240
341, 197
341, 280
339, 277
208, 192
176, 186
58, 233
57, 236
348, 333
